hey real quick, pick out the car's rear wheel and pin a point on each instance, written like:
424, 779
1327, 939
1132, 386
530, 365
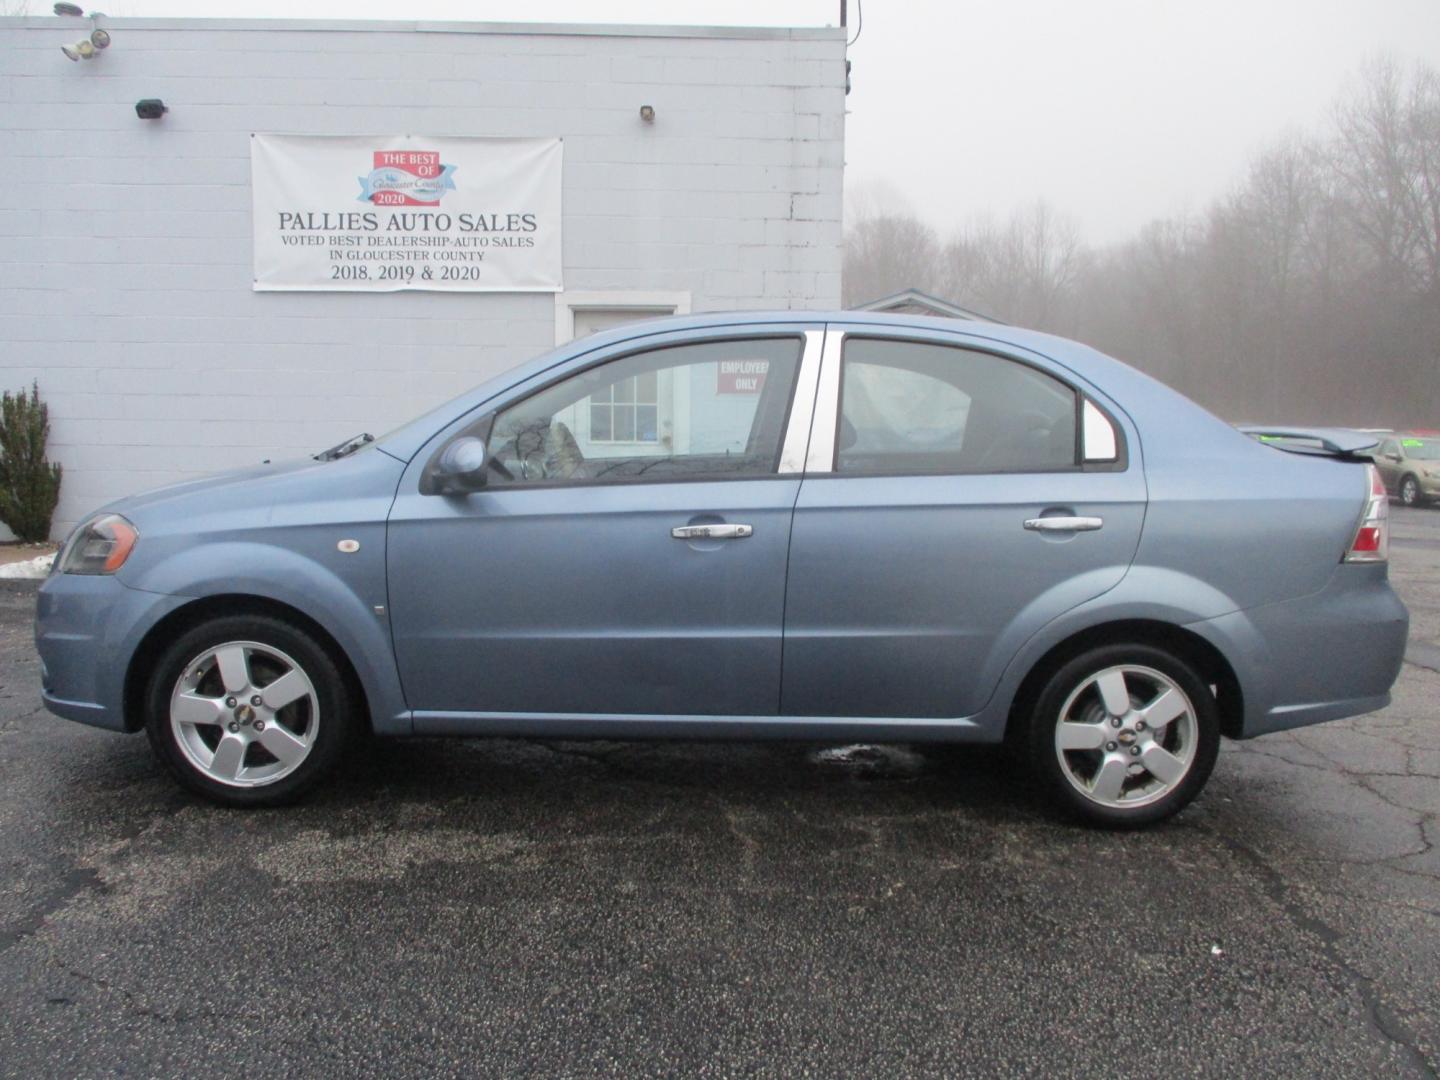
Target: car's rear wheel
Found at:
247, 710
1124, 735
1410, 491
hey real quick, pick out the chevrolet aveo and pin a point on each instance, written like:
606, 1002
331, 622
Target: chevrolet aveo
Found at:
751, 526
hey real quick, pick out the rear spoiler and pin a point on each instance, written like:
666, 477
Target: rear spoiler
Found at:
1326, 442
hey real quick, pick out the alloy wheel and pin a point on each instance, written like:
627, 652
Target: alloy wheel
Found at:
244, 714
1126, 736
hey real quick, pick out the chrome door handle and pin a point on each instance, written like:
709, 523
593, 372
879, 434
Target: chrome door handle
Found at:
711, 532
1064, 524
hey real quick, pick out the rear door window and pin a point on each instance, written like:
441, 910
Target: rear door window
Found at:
917, 407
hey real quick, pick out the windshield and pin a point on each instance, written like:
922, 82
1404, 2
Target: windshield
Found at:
1422, 449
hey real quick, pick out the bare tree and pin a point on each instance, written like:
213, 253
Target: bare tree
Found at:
1382, 168
887, 253
1043, 246
1422, 129
1023, 271
1309, 293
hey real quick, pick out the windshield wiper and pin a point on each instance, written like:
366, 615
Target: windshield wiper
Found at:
349, 446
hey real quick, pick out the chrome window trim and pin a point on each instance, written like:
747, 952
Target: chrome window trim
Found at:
820, 458
802, 406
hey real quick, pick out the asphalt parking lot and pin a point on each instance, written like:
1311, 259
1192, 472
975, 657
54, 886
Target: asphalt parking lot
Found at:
493, 908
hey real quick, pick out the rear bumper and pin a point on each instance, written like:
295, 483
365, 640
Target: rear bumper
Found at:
86, 630
1332, 654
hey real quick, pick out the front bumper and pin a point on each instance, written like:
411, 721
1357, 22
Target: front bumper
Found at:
87, 628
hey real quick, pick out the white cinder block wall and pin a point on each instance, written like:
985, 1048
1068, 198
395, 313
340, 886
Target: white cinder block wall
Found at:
126, 250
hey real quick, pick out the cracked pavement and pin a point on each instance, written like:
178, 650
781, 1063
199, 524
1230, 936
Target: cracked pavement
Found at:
498, 907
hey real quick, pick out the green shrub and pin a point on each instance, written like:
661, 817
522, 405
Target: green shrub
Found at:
29, 485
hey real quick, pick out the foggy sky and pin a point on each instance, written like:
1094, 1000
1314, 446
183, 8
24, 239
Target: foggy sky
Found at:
1116, 111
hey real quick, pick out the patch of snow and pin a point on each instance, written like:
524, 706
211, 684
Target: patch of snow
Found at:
35, 568
871, 758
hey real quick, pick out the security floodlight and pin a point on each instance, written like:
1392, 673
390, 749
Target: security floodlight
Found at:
69, 51
69, 9
100, 39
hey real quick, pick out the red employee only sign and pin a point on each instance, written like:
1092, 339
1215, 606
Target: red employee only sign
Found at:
741, 376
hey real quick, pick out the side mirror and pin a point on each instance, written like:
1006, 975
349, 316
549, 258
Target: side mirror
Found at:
461, 466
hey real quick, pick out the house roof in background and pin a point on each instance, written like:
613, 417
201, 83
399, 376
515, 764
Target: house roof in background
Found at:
915, 302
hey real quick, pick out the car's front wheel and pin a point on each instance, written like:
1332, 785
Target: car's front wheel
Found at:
247, 710
1410, 491
1124, 735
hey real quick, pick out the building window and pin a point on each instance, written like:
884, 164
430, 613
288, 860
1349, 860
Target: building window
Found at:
627, 411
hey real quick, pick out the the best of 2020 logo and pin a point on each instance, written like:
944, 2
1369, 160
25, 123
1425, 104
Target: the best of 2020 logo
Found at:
406, 178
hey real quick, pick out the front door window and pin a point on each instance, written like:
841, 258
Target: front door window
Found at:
705, 411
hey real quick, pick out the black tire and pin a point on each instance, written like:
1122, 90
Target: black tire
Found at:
334, 724
1045, 760
1410, 491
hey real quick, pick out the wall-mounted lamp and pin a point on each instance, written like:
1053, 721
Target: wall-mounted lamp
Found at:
150, 108
85, 48
647, 113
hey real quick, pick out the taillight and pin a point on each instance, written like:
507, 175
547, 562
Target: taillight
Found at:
1372, 537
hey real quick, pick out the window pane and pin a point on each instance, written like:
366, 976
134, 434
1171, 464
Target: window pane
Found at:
711, 409
912, 407
1100, 442
624, 423
600, 422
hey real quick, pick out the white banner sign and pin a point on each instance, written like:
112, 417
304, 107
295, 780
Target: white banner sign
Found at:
406, 212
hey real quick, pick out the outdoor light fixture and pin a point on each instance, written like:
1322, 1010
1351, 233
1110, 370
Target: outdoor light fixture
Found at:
647, 113
87, 48
150, 108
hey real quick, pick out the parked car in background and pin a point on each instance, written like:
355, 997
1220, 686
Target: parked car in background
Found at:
1409, 463
786, 525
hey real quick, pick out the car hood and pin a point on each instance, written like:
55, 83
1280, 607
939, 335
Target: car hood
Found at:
259, 495
246, 479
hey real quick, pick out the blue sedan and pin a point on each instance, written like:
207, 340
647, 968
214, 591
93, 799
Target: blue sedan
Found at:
776, 525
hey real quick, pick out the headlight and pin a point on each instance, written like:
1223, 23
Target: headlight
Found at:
100, 546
